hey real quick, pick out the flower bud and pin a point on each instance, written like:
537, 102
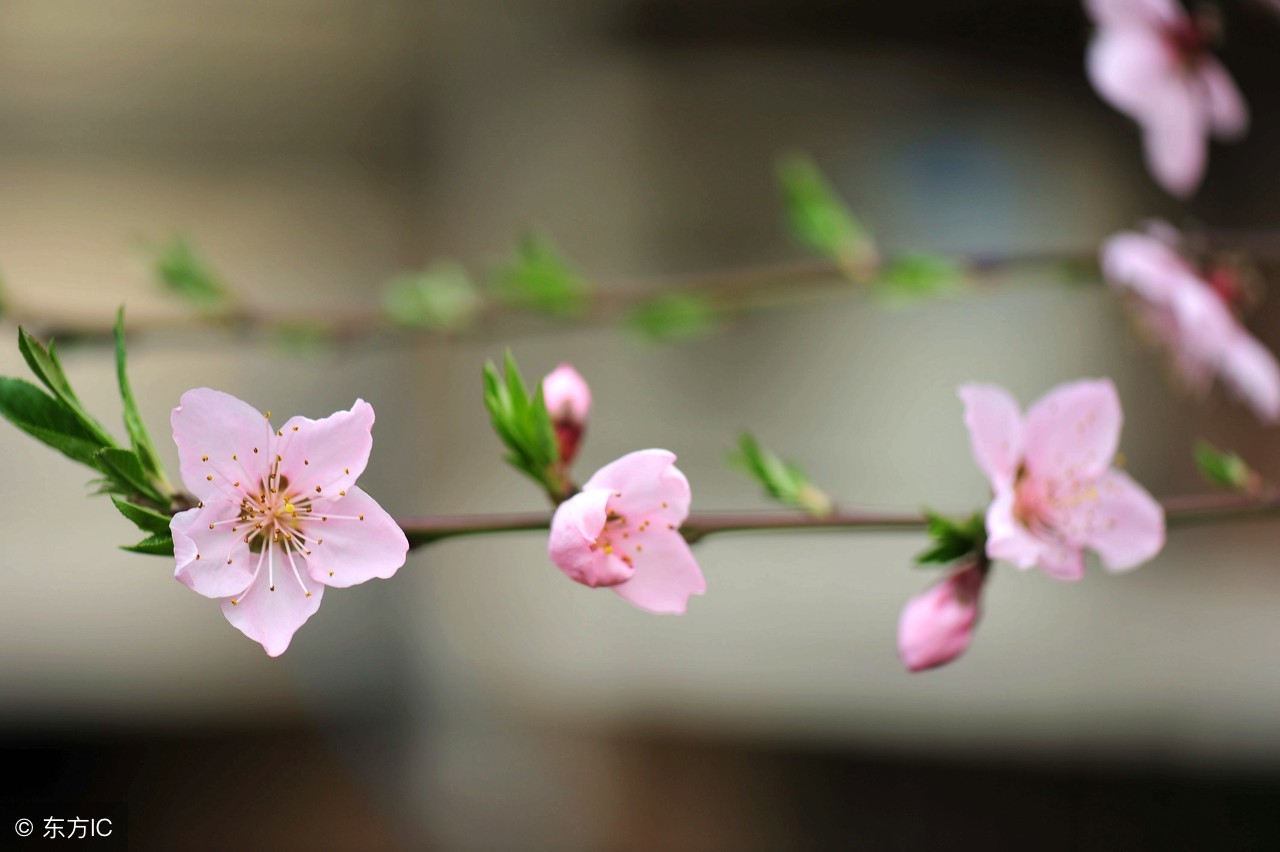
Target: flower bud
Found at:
937, 626
568, 400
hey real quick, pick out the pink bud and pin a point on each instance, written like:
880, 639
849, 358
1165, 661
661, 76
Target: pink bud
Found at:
937, 626
568, 399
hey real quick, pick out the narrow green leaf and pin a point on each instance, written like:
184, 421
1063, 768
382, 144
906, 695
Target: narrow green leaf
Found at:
953, 539
819, 219
48, 369
156, 545
539, 279
441, 297
783, 481
48, 419
1225, 469
138, 435
124, 468
182, 271
523, 424
916, 277
673, 316
147, 520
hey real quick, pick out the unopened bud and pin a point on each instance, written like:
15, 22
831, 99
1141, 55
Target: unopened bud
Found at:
568, 400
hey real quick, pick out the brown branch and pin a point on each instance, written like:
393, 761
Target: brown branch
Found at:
1179, 511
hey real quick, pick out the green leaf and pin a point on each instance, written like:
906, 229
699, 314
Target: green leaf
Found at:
953, 539
673, 316
156, 545
539, 279
147, 520
819, 219
524, 425
441, 297
49, 420
138, 435
917, 277
124, 469
783, 481
182, 271
48, 369
1225, 469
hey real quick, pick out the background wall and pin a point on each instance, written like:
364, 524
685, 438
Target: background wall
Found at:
478, 700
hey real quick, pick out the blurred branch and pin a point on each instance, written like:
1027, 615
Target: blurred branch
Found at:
1179, 511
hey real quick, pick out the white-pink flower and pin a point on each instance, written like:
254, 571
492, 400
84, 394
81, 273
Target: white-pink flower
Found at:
623, 531
1192, 317
937, 625
280, 516
1056, 493
568, 400
1151, 60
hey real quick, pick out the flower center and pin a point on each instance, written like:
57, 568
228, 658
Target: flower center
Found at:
1189, 41
1048, 508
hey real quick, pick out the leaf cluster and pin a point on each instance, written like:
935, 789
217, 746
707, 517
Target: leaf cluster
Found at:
953, 538
783, 481
55, 416
524, 425
539, 278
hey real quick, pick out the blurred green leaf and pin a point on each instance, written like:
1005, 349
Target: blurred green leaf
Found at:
916, 277
539, 279
48, 419
1225, 469
184, 272
300, 339
953, 539
156, 545
524, 425
783, 481
138, 435
147, 520
673, 316
819, 219
441, 297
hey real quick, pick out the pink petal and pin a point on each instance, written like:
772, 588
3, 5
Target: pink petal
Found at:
353, 550
1228, 113
202, 554
1125, 525
1138, 13
1073, 431
1147, 265
330, 452
566, 394
994, 420
1126, 65
666, 575
1062, 562
1175, 136
1251, 371
271, 618
576, 525
1007, 538
216, 436
937, 626
646, 484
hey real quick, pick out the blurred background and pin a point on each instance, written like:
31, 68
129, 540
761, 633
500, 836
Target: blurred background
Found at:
313, 150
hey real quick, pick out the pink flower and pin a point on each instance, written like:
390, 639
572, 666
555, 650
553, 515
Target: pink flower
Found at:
1056, 493
623, 531
1192, 317
568, 399
1151, 61
937, 626
280, 515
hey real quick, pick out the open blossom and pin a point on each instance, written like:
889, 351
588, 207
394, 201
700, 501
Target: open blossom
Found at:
280, 516
1192, 316
1056, 493
1151, 60
623, 531
937, 625
568, 400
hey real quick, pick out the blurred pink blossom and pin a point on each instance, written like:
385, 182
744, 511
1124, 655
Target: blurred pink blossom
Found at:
1151, 60
1056, 493
623, 531
1191, 316
280, 516
568, 399
937, 625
